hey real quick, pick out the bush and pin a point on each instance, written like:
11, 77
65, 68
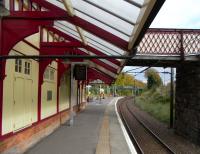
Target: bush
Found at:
156, 102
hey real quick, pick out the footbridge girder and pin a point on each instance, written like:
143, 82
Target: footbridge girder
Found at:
167, 47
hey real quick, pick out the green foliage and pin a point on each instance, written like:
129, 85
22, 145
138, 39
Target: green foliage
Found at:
158, 110
153, 78
156, 102
125, 79
94, 90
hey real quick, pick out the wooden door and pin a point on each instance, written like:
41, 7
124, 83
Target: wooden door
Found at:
28, 101
18, 108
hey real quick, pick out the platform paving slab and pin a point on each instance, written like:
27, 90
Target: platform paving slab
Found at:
83, 136
118, 143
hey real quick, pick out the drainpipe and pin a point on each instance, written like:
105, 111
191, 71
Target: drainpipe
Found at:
172, 99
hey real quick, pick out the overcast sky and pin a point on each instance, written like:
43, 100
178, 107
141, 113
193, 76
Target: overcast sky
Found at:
178, 14
175, 14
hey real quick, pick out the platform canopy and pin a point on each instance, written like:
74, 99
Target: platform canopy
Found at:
104, 27
124, 20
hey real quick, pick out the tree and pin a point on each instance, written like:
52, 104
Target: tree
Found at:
153, 78
125, 79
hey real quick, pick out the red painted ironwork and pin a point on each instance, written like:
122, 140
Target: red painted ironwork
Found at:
28, 17
11, 32
60, 14
1, 97
2, 76
28, 5
61, 44
170, 42
19, 29
65, 50
93, 74
62, 68
98, 62
69, 38
42, 66
63, 47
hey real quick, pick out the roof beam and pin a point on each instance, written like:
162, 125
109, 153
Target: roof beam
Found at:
62, 44
102, 69
99, 62
96, 74
141, 21
93, 29
89, 38
60, 14
59, 48
70, 10
91, 49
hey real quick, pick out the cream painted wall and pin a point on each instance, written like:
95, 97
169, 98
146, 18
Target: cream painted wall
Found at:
74, 93
28, 114
64, 92
9, 117
49, 108
83, 98
34, 39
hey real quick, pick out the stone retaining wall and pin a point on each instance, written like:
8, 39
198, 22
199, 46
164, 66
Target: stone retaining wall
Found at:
187, 114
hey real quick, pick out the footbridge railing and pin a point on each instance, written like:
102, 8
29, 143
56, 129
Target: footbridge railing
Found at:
170, 42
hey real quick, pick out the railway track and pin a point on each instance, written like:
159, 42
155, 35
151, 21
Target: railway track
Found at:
144, 140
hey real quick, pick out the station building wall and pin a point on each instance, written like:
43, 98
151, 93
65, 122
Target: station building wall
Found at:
49, 91
64, 92
20, 126
20, 90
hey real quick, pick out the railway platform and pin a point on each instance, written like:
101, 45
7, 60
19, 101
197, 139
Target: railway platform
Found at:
95, 130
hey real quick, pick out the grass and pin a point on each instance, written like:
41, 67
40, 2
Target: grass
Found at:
156, 103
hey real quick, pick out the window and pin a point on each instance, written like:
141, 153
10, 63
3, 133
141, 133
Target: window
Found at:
49, 95
52, 74
18, 65
46, 73
27, 68
49, 74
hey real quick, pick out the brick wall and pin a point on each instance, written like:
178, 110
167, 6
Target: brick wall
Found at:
187, 114
21, 141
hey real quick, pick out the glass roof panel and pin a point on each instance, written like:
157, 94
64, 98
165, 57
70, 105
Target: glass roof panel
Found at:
102, 16
65, 24
110, 63
103, 60
99, 48
141, 2
91, 42
104, 43
120, 33
102, 48
120, 7
57, 3
69, 32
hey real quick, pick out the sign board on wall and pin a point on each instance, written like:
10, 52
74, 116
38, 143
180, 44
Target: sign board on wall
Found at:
80, 72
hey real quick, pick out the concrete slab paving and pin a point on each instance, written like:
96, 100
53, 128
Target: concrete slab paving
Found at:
117, 141
82, 137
